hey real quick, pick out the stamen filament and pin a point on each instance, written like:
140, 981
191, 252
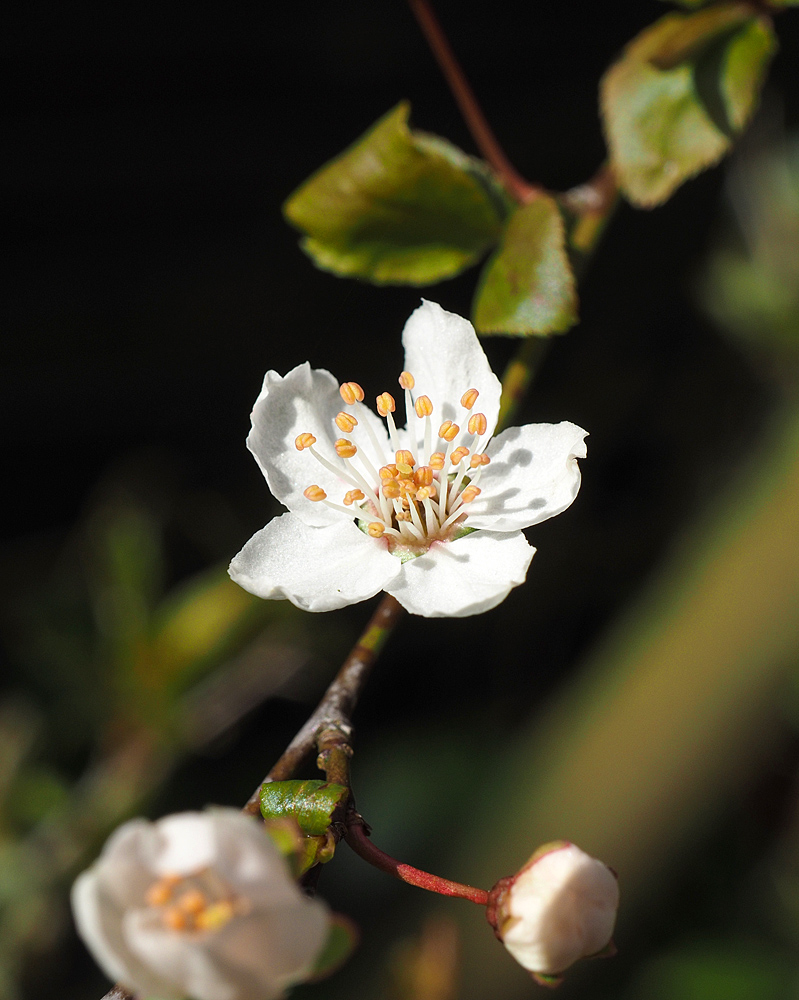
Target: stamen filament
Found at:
416, 519
335, 469
392, 431
430, 518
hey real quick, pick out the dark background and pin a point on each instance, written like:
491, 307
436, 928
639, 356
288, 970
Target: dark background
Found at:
151, 280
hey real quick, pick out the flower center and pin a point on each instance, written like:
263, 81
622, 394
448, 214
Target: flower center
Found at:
410, 500
193, 903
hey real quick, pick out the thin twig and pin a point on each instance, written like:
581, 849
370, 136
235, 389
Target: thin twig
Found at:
482, 133
338, 703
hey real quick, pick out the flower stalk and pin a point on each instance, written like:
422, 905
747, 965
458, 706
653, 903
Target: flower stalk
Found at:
358, 839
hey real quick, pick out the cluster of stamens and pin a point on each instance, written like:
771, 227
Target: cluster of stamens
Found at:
411, 503
193, 903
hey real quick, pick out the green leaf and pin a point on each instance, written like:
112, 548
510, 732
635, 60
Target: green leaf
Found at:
528, 286
398, 207
681, 92
311, 803
341, 942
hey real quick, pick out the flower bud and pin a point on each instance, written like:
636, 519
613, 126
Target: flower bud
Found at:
559, 908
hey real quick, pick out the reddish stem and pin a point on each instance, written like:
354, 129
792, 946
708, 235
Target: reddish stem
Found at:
481, 131
359, 841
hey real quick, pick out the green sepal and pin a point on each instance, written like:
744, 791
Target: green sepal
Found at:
545, 980
398, 207
527, 287
342, 940
681, 92
300, 850
309, 803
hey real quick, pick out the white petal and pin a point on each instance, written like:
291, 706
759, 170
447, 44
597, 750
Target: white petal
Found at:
306, 400
318, 569
179, 960
444, 356
100, 924
560, 908
533, 475
464, 577
277, 947
125, 867
183, 843
247, 859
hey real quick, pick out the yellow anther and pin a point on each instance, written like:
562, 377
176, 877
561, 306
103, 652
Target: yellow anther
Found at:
403, 515
448, 430
437, 460
425, 492
385, 404
469, 398
391, 489
192, 902
345, 448
423, 475
314, 493
376, 529
160, 892
175, 919
459, 454
303, 441
405, 461
351, 393
406, 380
476, 460
477, 423
215, 916
389, 472
470, 493
423, 406
352, 497
345, 422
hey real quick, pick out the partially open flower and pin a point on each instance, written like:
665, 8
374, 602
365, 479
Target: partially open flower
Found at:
560, 907
433, 512
199, 905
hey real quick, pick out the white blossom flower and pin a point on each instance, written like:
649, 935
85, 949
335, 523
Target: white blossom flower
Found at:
199, 905
560, 907
431, 513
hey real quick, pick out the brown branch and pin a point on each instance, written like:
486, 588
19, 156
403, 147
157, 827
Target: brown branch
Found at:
482, 133
335, 709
